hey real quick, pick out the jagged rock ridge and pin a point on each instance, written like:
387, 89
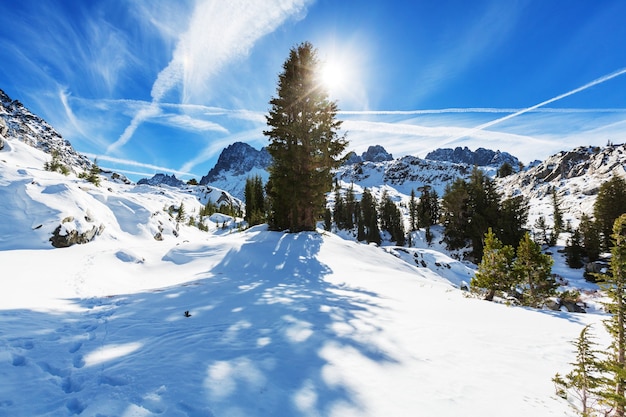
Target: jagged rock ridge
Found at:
236, 160
162, 179
481, 157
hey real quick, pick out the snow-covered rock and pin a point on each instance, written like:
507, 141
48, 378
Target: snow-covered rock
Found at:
480, 157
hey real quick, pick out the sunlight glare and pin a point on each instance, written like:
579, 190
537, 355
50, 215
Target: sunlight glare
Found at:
333, 76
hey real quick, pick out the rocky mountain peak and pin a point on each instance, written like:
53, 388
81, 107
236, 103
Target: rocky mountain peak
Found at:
162, 179
480, 157
237, 159
375, 153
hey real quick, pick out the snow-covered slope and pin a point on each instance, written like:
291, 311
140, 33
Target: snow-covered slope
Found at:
283, 325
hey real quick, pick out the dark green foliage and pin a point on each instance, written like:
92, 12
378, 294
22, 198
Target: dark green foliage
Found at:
180, 215
534, 272
192, 181
541, 235
609, 205
368, 218
428, 208
304, 143
328, 219
455, 214
494, 271
590, 236
413, 212
254, 197
470, 208
350, 208
208, 209
614, 284
585, 379
391, 220
55, 165
512, 220
559, 224
505, 170
93, 175
339, 210
574, 250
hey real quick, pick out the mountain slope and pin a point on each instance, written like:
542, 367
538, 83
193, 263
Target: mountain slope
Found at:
576, 175
281, 325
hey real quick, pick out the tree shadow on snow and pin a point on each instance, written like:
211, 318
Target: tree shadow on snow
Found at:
289, 326
265, 335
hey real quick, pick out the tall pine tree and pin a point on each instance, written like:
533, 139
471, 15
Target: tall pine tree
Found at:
304, 143
615, 286
609, 205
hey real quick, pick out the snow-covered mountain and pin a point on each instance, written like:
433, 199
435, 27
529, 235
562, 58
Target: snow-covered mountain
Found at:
481, 157
236, 163
162, 179
576, 175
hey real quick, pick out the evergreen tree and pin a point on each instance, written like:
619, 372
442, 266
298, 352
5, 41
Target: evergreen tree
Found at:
413, 211
494, 271
559, 224
304, 143
328, 219
350, 213
391, 220
574, 250
339, 211
56, 165
590, 238
541, 234
534, 272
614, 285
93, 175
583, 382
505, 170
360, 234
455, 214
254, 201
370, 218
180, 216
512, 220
609, 205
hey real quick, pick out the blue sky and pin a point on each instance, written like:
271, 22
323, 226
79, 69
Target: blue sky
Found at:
164, 86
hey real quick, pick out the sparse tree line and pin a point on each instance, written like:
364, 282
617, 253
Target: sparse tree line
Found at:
56, 165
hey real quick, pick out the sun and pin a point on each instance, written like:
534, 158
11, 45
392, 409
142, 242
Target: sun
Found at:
333, 76
340, 73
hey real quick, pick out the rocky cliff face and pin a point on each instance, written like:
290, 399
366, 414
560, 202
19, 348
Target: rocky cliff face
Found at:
237, 159
17, 122
481, 157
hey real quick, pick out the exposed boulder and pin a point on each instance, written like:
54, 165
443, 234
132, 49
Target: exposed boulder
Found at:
62, 238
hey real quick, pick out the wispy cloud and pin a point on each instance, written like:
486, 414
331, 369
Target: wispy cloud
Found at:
597, 81
218, 33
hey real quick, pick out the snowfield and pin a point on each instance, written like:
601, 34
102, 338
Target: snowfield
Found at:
308, 324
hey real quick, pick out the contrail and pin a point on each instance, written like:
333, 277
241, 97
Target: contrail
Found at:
543, 103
